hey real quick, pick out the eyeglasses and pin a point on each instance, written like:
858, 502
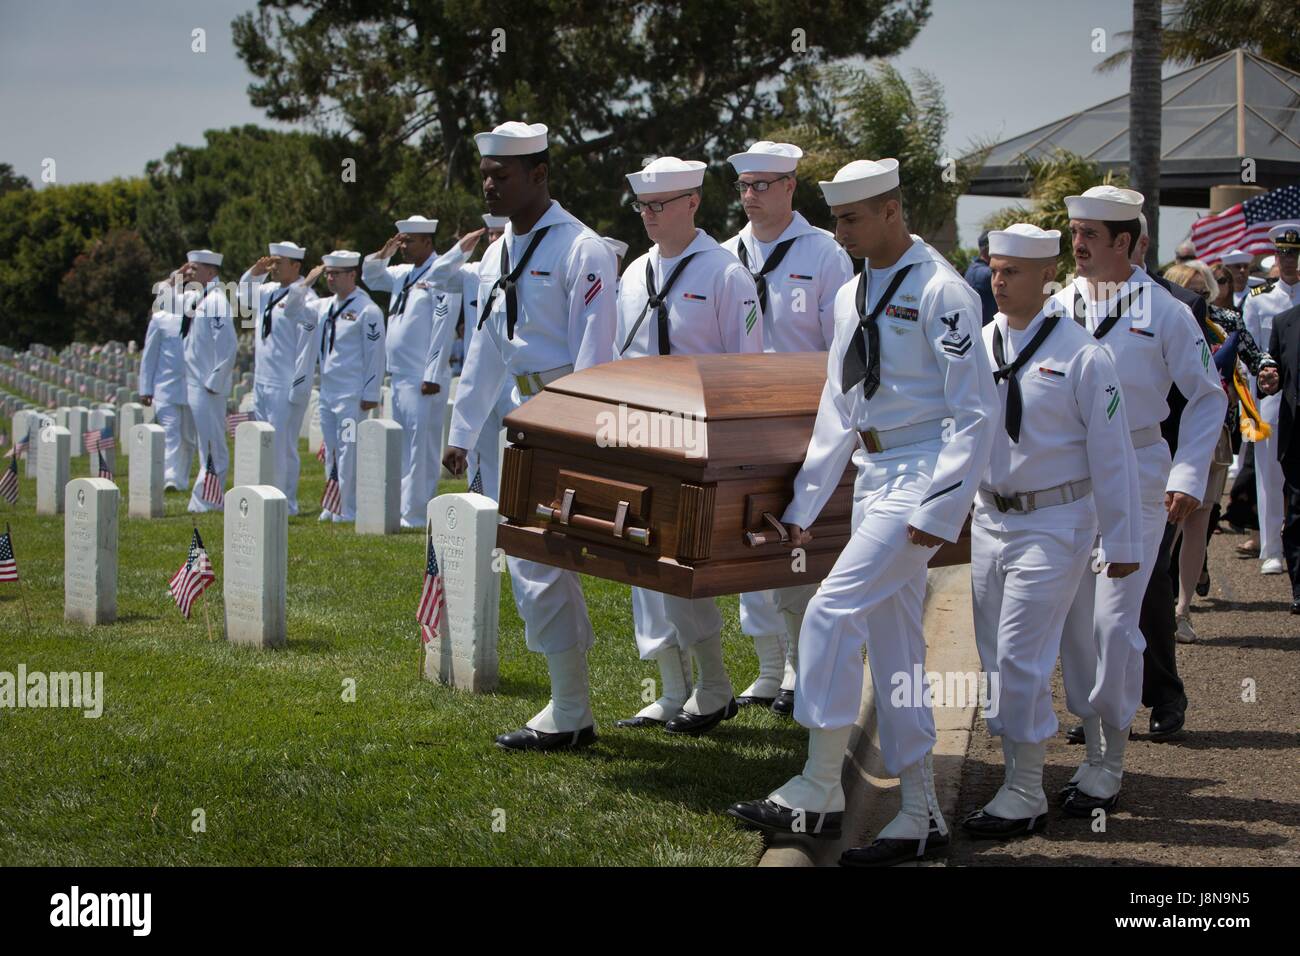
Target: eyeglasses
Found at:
758, 185
657, 206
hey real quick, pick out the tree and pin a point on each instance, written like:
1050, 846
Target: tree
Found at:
10, 181
1199, 30
107, 290
1145, 118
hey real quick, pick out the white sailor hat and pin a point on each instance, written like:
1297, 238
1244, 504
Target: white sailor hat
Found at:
342, 259
512, 139
416, 224
1024, 241
1108, 203
1236, 258
287, 250
1286, 236
767, 157
860, 179
666, 174
1267, 263
495, 222
617, 246
205, 256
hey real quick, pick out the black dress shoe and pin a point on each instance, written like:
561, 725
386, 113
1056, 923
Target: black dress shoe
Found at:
1075, 735
887, 852
1203, 584
525, 738
696, 724
639, 722
1168, 719
756, 701
767, 815
784, 703
985, 826
1066, 792
1080, 804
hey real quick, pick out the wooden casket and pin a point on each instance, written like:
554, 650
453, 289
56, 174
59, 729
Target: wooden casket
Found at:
670, 472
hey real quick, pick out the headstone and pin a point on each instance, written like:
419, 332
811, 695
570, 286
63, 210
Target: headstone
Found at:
379, 485
123, 395
146, 492
314, 436
90, 551
254, 453
313, 412
256, 565
464, 530
386, 400
52, 469
129, 415
78, 422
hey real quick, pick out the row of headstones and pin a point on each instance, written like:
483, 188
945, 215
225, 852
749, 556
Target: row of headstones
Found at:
256, 563
53, 392
86, 374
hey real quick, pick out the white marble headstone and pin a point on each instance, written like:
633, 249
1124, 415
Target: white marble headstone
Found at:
254, 453
379, 478
464, 530
145, 499
90, 551
256, 565
129, 414
52, 469
78, 422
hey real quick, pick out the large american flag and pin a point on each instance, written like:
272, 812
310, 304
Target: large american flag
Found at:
331, 500
9, 481
194, 576
1245, 226
212, 492
433, 598
8, 563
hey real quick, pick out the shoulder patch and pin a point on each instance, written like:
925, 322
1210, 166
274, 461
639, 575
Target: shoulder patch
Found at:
1112, 404
955, 343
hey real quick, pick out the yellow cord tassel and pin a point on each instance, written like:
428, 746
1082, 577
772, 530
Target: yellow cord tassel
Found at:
1253, 426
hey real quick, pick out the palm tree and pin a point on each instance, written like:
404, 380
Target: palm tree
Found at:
1144, 117
1199, 30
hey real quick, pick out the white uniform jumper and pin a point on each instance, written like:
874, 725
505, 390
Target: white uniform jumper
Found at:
420, 327
162, 375
800, 272
560, 318
210, 346
1154, 342
1257, 314
349, 345
709, 306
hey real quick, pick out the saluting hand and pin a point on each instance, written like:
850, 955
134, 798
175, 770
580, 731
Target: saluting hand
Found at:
313, 275
470, 240
262, 266
391, 246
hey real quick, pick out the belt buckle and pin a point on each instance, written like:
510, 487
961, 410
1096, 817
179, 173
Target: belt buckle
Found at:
871, 439
1003, 504
529, 384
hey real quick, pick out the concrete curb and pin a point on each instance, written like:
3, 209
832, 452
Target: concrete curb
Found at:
869, 801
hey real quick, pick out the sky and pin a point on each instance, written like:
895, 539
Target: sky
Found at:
103, 87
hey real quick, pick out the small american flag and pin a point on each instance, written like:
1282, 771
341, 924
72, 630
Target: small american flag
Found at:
1245, 226
212, 491
194, 576
476, 485
8, 563
106, 441
91, 440
235, 419
9, 481
104, 470
432, 599
320, 453
331, 501
25, 441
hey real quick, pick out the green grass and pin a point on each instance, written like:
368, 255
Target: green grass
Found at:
289, 773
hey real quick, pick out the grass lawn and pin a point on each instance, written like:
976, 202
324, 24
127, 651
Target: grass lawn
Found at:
287, 772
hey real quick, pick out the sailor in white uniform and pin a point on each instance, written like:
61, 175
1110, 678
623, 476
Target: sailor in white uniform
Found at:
686, 296
162, 385
798, 269
1062, 466
910, 398
546, 308
349, 345
1154, 343
280, 347
1263, 304
1237, 262
208, 331
420, 327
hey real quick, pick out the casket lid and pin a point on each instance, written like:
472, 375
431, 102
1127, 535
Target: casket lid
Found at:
708, 387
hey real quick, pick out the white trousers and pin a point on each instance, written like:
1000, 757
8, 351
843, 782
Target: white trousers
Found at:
292, 457
1023, 583
1102, 645
873, 596
209, 412
1269, 497
484, 459
421, 419
179, 440
550, 602
654, 632
271, 405
339, 418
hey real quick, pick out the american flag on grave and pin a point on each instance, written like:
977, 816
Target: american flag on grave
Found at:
235, 419
193, 577
433, 598
91, 440
103, 440
25, 441
104, 470
8, 563
320, 453
9, 481
331, 500
476, 485
212, 492
1245, 226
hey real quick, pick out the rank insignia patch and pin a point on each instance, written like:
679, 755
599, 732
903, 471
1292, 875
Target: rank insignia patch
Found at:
1112, 406
955, 343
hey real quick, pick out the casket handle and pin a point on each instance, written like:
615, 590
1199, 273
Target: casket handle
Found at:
756, 539
617, 528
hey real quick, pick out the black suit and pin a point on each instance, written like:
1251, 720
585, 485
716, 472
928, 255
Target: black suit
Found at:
1284, 346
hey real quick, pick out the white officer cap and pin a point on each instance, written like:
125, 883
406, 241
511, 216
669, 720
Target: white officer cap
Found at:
617, 246
1108, 203
342, 259
860, 179
495, 222
1023, 241
666, 174
416, 224
1286, 236
1252, 281
512, 139
287, 250
1236, 258
767, 157
205, 256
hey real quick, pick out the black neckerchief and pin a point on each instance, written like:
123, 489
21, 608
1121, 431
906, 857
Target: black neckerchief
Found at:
329, 323
760, 277
655, 300
1008, 371
507, 281
271, 303
857, 366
